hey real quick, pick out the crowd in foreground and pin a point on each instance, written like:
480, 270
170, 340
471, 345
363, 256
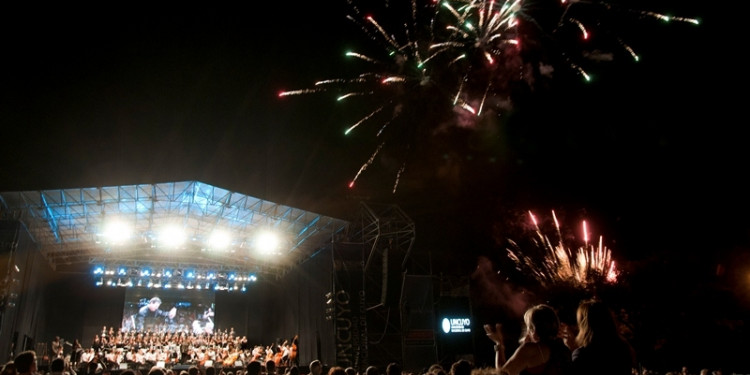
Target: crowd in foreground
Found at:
26, 364
592, 346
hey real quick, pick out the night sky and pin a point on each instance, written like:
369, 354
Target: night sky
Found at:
651, 153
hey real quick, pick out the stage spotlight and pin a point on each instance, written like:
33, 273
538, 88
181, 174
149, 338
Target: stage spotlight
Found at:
231, 276
190, 274
252, 278
244, 288
145, 272
219, 240
122, 271
98, 270
99, 282
117, 232
167, 272
172, 237
266, 243
211, 275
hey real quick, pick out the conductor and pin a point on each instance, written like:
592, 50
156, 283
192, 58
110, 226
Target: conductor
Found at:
151, 312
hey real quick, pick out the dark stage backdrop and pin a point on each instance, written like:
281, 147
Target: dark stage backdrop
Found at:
25, 276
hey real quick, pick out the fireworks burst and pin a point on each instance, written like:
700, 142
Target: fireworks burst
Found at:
583, 265
440, 64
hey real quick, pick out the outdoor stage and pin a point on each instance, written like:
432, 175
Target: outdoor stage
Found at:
338, 284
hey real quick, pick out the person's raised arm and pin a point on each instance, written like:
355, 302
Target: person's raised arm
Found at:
517, 362
494, 333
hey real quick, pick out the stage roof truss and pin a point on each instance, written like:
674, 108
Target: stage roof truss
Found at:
67, 224
387, 235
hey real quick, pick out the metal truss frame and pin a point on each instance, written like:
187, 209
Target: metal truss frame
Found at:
387, 236
66, 225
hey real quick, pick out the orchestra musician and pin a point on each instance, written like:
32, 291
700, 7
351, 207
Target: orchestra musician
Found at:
231, 358
293, 351
57, 348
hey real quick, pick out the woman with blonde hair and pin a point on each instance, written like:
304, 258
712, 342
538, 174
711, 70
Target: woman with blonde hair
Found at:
542, 351
9, 368
601, 349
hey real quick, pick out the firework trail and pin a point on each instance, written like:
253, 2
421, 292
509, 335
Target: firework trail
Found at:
436, 61
553, 262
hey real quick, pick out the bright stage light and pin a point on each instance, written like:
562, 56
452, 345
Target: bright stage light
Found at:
172, 236
266, 243
171, 278
117, 232
219, 240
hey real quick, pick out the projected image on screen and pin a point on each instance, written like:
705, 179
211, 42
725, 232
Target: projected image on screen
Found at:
168, 310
